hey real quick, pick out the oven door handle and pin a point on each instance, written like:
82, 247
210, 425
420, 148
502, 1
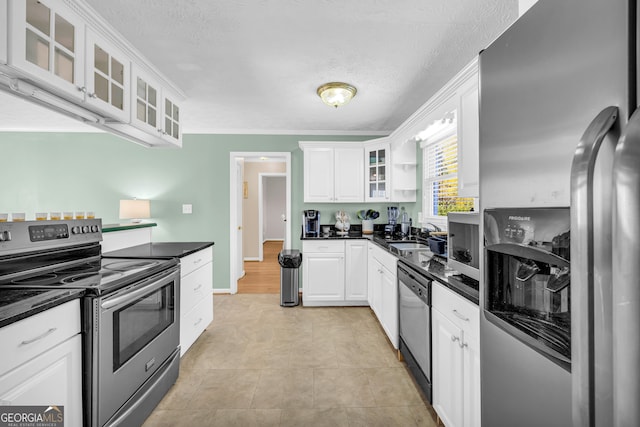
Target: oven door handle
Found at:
135, 294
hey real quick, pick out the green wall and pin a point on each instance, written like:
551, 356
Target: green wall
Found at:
93, 171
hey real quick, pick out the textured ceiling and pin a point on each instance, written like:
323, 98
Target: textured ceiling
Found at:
253, 66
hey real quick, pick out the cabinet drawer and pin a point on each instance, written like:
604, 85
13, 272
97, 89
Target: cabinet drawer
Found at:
194, 322
323, 246
25, 339
195, 286
193, 261
461, 312
384, 258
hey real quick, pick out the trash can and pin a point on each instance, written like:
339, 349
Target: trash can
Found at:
290, 260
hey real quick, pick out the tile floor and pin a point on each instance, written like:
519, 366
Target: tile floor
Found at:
259, 364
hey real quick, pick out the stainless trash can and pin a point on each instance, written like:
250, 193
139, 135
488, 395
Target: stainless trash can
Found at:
290, 260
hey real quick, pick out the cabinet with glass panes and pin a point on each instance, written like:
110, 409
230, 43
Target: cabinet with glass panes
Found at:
46, 42
377, 160
153, 108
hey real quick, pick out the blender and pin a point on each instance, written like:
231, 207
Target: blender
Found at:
392, 215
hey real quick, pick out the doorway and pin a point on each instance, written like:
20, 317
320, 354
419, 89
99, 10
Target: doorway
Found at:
241, 191
272, 193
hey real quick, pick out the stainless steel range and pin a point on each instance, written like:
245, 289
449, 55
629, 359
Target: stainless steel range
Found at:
130, 312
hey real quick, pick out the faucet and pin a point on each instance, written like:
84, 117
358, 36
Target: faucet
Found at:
435, 227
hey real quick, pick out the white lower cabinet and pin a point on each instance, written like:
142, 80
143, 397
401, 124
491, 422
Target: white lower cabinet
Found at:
196, 296
356, 270
383, 290
42, 361
323, 277
334, 273
456, 358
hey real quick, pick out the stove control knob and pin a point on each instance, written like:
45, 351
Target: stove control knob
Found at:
86, 229
5, 236
76, 229
94, 228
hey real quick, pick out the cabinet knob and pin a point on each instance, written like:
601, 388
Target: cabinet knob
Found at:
82, 89
454, 338
92, 95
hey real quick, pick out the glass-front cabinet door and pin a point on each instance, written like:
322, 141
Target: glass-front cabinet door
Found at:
46, 42
146, 102
377, 168
107, 78
172, 129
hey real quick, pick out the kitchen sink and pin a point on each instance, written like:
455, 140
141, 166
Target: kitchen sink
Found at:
405, 248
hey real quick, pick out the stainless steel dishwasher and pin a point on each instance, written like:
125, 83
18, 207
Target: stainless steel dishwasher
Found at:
414, 307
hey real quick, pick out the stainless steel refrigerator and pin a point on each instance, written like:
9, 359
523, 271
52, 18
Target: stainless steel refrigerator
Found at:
558, 128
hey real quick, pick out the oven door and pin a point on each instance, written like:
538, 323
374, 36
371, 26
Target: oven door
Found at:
138, 329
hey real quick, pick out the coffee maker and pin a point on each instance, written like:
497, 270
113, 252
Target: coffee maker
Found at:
311, 223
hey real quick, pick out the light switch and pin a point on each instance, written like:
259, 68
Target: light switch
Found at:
187, 209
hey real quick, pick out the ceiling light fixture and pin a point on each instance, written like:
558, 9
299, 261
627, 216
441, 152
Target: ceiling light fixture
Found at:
336, 94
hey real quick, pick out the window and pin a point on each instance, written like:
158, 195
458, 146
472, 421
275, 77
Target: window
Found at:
440, 171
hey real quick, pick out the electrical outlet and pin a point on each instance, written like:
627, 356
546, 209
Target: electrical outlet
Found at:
187, 209
420, 217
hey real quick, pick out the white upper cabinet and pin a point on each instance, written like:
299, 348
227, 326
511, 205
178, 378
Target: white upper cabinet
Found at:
348, 184
333, 172
107, 78
46, 43
61, 54
146, 101
390, 170
468, 138
377, 160
171, 131
318, 174
154, 108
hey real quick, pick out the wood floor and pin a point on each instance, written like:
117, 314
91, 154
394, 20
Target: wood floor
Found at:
262, 277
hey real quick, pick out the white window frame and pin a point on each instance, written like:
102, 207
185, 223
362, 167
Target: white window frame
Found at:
436, 137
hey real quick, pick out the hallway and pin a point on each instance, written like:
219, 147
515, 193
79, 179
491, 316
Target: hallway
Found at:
262, 277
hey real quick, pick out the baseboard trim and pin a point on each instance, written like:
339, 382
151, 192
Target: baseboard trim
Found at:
222, 291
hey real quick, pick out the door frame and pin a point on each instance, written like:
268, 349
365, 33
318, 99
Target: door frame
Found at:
234, 191
262, 176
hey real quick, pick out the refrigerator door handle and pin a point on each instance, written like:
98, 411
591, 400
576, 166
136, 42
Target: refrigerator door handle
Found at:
626, 275
582, 254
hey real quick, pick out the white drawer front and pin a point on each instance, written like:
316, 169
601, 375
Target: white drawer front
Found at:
323, 246
385, 258
194, 322
25, 339
195, 286
463, 313
196, 260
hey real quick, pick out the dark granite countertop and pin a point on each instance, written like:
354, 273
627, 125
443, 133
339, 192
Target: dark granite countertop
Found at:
17, 304
159, 250
434, 267
424, 262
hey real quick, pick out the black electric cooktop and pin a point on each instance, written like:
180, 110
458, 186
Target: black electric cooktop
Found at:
97, 276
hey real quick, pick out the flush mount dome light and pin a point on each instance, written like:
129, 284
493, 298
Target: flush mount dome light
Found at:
336, 94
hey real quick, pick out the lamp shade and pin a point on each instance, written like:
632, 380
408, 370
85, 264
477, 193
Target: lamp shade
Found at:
135, 209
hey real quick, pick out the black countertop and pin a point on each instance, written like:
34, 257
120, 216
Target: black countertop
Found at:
17, 304
159, 250
424, 262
